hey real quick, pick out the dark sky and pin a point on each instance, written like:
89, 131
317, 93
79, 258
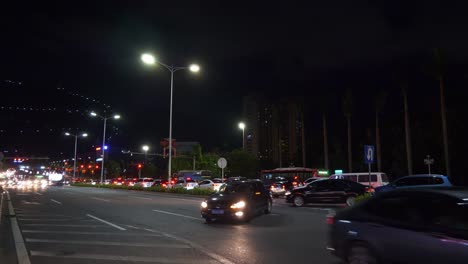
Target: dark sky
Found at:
304, 48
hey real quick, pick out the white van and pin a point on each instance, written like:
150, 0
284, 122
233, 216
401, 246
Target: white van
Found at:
377, 179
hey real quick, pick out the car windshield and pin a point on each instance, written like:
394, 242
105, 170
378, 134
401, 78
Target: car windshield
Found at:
235, 188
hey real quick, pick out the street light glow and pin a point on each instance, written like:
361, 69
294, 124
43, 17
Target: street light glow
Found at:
93, 114
194, 68
145, 148
67, 134
242, 125
148, 59
116, 116
84, 135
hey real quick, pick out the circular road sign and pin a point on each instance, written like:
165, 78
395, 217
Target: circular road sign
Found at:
222, 163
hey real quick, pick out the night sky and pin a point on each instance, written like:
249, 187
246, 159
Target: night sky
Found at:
313, 50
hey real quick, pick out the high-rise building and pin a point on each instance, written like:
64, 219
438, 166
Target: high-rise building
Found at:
274, 130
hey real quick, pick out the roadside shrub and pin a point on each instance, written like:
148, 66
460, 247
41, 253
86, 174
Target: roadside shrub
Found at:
175, 190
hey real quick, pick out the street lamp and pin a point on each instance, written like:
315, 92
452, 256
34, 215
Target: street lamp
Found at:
242, 126
103, 148
151, 60
145, 148
76, 147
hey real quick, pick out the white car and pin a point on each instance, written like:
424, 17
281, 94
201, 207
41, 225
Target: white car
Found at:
210, 184
188, 184
145, 182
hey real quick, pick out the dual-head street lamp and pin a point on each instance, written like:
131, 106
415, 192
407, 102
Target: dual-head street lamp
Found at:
76, 147
104, 118
151, 60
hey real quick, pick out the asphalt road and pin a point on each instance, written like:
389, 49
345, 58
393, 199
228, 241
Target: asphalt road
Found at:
89, 225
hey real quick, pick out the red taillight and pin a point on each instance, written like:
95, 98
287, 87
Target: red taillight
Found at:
330, 219
272, 187
115, 182
172, 182
164, 185
294, 183
283, 187
130, 183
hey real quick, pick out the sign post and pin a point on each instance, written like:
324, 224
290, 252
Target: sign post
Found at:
369, 159
222, 163
429, 161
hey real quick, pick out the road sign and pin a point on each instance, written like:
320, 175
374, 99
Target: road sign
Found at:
368, 154
222, 163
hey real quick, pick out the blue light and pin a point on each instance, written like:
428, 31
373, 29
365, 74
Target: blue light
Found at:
105, 147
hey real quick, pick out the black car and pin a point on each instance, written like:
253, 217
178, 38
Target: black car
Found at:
239, 200
326, 191
404, 226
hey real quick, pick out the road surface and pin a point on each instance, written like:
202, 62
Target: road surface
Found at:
89, 225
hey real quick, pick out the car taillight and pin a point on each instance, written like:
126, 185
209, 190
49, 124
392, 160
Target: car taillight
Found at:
294, 183
330, 219
272, 187
164, 185
130, 182
115, 182
282, 187
370, 189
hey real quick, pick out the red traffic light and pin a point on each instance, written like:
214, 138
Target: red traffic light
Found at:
140, 166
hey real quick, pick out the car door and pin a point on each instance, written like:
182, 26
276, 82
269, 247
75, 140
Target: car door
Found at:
318, 192
404, 216
261, 196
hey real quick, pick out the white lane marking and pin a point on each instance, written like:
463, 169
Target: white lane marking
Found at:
106, 243
21, 251
81, 226
169, 213
132, 227
22, 194
120, 258
143, 198
55, 201
88, 233
45, 219
275, 214
42, 215
105, 222
213, 255
38, 193
35, 203
100, 199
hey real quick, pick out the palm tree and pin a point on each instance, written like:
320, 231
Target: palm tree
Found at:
347, 109
407, 131
439, 73
379, 105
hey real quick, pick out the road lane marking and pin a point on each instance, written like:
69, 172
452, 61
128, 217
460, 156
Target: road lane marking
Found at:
38, 193
88, 233
169, 213
82, 226
213, 255
21, 251
55, 201
42, 215
45, 219
143, 198
120, 258
106, 243
105, 222
100, 199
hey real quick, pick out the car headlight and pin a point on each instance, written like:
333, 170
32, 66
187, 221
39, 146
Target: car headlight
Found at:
238, 205
204, 204
287, 193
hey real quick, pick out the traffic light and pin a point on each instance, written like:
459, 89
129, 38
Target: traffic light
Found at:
97, 167
82, 166
139, 166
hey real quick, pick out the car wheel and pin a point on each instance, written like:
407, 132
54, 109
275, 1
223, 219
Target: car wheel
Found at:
298, 201
359, 253
208, 220
269, 207
350, 200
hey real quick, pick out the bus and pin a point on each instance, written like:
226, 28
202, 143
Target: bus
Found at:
294, 174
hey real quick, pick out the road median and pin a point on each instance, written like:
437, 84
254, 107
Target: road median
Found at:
196, 192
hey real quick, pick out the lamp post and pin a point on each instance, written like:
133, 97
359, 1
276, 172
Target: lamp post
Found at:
76, 147
242, 126
104, 138
151, 60
145, 148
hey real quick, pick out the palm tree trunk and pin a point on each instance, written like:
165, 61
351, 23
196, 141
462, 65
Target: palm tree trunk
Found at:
377, 142
303, 142
407, 133
325, 141
444, 125
350, 152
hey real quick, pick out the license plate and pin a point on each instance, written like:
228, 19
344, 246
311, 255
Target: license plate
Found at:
216, 211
